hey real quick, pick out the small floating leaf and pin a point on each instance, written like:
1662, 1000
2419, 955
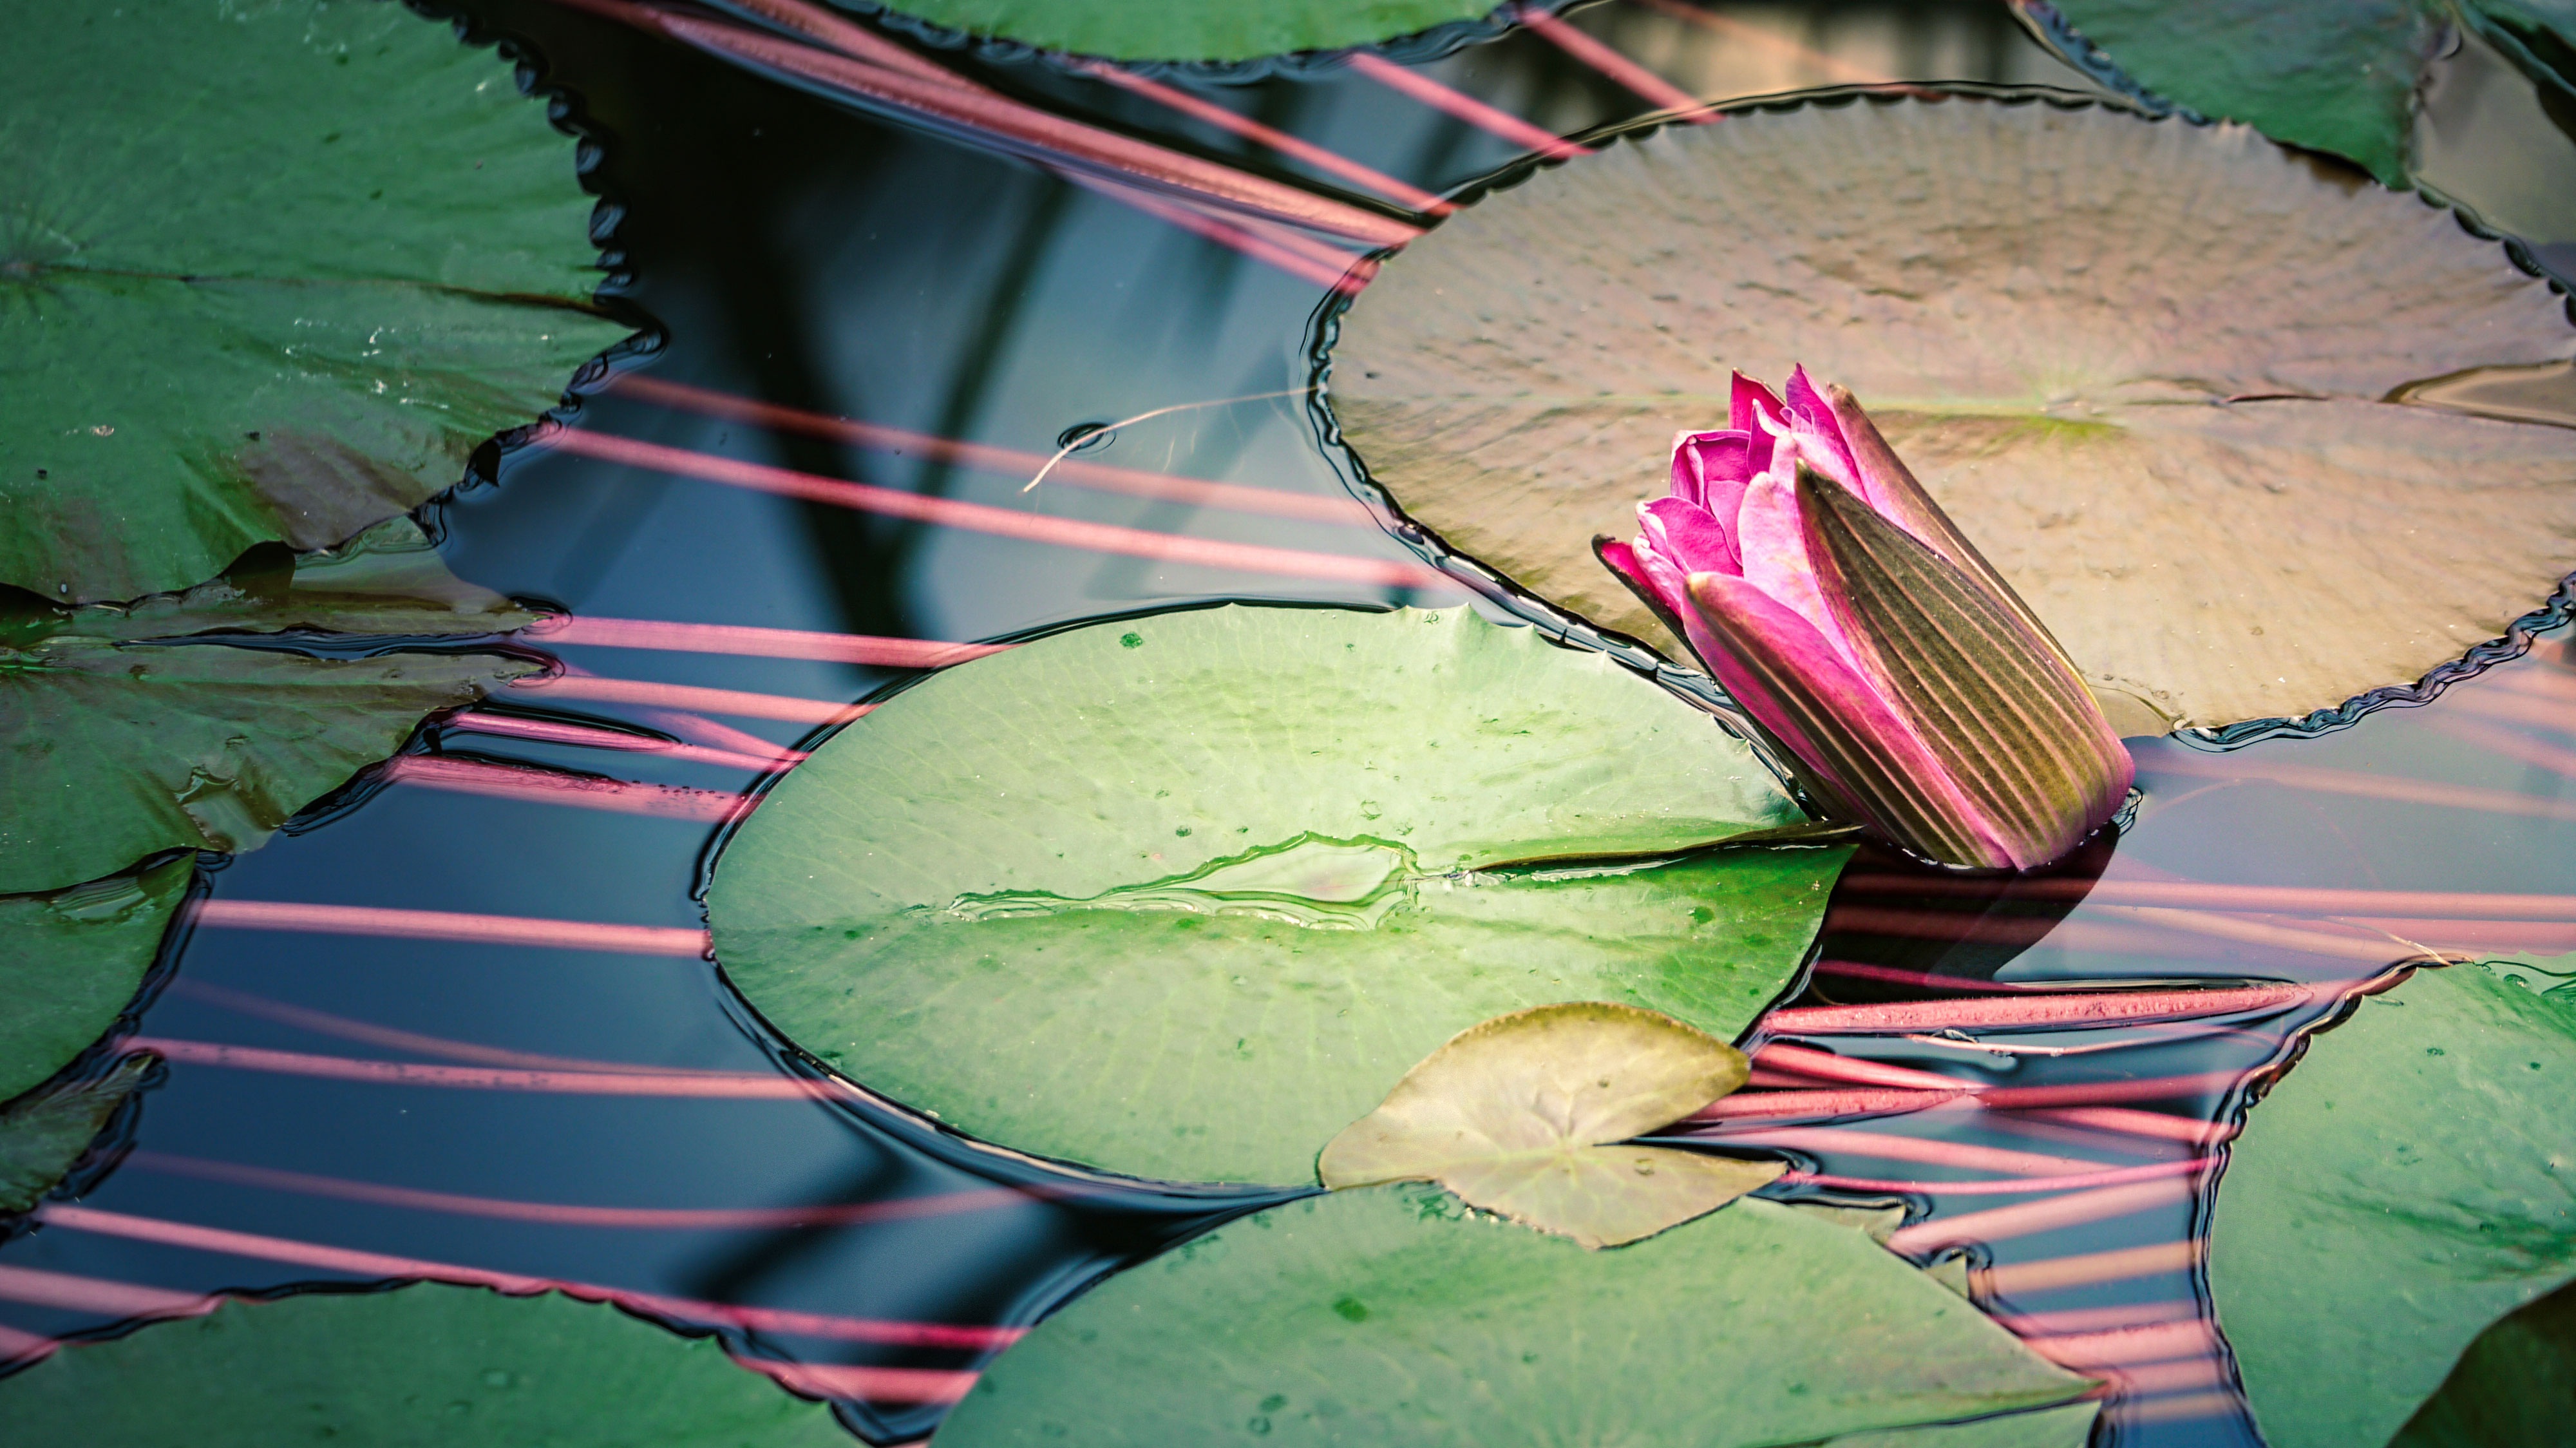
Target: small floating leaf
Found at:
116, 753
426, 1366
70, 963
1183, 897
2403, 1187
266, 273
1393, 1317
2143, 364
1192, 29
1519, 1116
44, 1133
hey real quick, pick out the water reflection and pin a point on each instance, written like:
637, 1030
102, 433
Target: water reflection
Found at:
900, 300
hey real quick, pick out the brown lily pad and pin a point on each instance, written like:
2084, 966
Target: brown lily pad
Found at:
1521, 1116
2161, 373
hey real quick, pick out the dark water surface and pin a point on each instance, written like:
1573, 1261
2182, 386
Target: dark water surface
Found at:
813, 257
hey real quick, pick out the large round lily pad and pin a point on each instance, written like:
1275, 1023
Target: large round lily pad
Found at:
1192, 29
2142, 363
425, 1367
2406, 1185
1394, 1316
267, 272
1183, 897
71, 962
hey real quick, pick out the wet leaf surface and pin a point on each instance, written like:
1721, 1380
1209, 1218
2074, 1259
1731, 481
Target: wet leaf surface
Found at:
70, 962
1183, 897
2337, 78
1521, 1115
116, 752
1192, 29
1392, 1315
426, 1365
2403, 1187
2141, 363
265, 274
44, 1133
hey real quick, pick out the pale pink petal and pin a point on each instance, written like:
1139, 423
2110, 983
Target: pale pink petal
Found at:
1772, 541
1750, 406
1688, 535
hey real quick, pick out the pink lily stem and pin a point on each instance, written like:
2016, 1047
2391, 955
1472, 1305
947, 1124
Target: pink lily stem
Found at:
1831, 67
2090, 1269
1046, 136
2152, 1171
1465, 107
1331, 162
17, 1349
716, 736
323, 1023
1077, 152
766, 643
660, 1219
725, 1086
1003, 522
592, 689
2025, 1218
2320, 780
1341, 272
1884, 1147
2154, 1124
2359, 946
890, 1384
374, 920
1656, 91
547, 731
2150, 1342
2061, 1010
1010, 462
834, 32
548, 786
2192, 894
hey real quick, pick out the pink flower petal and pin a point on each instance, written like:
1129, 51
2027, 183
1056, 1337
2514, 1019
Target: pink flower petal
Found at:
1711, 469
1689, 536
1798, 685
1749, 405
1820, 435
1772, 541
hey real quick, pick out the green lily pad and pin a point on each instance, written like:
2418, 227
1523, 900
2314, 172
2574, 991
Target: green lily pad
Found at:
1185, 896
2141, 363
267, 272
2336, 78
2515, 1384
1192, 29
2403, 1187
1520, 1116
387, 582
70, 962
118, 753
1394, 1316
44, 1133
427, 1366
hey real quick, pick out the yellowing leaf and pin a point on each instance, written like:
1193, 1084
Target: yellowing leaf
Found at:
1520, 1116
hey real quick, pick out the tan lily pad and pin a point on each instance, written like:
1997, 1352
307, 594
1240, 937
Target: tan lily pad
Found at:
2145, 364
1522, 1116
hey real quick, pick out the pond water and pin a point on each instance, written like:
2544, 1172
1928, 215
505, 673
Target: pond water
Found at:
877, 288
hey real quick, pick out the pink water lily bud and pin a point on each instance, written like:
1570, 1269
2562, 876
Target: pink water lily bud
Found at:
1850, 617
